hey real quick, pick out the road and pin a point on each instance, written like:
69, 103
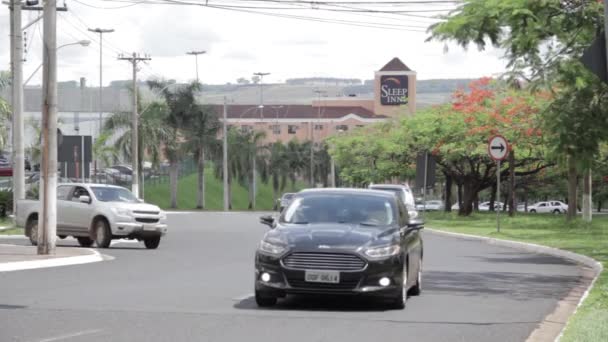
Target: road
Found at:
198, 287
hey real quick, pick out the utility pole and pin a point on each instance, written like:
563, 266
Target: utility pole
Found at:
195, 54
17, 130
255, 153
83, 85
101, 32
134, 59
225, 156
47, 221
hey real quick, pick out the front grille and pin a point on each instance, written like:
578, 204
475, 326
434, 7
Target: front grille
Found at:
324, 261
348, 281
142, 212
146, 220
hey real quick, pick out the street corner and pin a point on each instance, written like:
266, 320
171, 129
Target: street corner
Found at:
19, 258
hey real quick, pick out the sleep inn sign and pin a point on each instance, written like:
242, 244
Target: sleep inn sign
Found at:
394, 90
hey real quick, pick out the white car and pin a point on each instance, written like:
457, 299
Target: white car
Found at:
555, 207
403, 192
433, 205
484, 206
97, 213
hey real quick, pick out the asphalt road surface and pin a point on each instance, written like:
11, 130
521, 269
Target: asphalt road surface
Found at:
198, 286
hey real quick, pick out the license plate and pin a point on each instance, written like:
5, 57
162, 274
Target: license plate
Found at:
149, 227
332, 277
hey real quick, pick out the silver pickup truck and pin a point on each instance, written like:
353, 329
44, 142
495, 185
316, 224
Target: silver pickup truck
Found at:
97, 213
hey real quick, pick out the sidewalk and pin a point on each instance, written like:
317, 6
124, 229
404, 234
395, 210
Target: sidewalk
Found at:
16, 258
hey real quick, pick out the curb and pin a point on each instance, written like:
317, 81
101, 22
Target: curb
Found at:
546, 327
46, 263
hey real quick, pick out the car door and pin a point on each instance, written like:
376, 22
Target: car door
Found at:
410, 242
79, 214
63, 191
542, 207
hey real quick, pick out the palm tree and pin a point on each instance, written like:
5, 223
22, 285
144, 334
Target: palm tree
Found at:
235, 143
180, 104
297, 157
201, 138
102, 151
322, 164
5, 109
250, 160
276, 168
153, 134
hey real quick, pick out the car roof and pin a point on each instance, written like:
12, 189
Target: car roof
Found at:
389, 186
92, 184
348, 191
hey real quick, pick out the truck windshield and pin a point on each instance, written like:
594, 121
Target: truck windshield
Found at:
109, 194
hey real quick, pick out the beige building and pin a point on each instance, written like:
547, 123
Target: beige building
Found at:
394, 95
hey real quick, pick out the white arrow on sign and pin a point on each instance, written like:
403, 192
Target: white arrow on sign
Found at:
498, 147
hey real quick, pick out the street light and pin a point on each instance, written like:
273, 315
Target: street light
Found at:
101, 32
195, 54
84, 43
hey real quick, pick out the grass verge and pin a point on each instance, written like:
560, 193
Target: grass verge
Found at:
159, 194
590, 323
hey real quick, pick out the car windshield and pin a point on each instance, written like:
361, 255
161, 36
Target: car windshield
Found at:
287, 197
365, 210
112, 194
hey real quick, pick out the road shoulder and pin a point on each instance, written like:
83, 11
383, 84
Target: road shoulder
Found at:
554, 324
18, 258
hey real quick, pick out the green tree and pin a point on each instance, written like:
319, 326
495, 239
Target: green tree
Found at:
543, 41
297, 157
276, 168
102, 151
5, 109
201, 137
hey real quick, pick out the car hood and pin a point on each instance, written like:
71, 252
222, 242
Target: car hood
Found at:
330, 236
135, 206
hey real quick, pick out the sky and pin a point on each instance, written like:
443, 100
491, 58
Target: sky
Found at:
239, 44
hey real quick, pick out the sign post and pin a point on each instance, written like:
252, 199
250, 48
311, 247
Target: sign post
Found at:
498, 149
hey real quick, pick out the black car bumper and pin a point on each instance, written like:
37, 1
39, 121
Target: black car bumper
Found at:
366, 282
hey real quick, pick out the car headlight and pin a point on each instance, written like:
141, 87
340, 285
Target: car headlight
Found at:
163, 215
413, 214
121, 211
383, 252
271, 248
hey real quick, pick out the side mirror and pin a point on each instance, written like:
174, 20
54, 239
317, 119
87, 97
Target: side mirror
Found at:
267, 220
84, 199
415, 224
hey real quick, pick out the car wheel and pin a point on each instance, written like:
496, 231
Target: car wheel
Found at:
152, 243
401, 297
103, 235
62, 237
532, 211
417, 289
84, 241
32, 228
264, 301
556, 211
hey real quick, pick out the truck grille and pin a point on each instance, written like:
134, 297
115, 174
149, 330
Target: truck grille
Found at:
146, 219
324, 261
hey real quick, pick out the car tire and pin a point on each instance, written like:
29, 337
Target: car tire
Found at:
152, 243
417, 289
532, 211
103, 235
62, 237
84, 241
556, 212
32, 229
264, 301
400, 298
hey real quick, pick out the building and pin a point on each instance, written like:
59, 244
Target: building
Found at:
394, 96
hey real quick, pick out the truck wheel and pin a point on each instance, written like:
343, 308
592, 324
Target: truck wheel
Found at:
84, 241
152, 243
103, 235
32, 229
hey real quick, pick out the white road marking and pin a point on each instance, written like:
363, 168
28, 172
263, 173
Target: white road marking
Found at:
68, 336
66, 261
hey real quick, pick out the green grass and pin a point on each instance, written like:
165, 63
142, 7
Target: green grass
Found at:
590, 323
12, 231
214, 194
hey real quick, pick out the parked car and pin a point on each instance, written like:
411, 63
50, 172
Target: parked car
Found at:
340, 241
403, 192
285, 200
431, 205
485, 206
555, 207
97, 213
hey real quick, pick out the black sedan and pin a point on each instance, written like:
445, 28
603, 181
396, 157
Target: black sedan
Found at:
340, 241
